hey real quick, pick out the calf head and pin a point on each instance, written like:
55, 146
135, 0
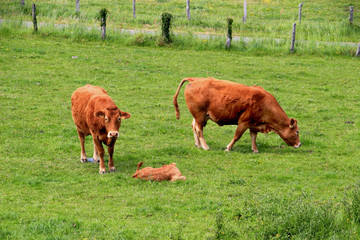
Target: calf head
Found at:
290, 134
112, 120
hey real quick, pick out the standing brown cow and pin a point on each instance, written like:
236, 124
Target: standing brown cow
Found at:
229, 103
95, 113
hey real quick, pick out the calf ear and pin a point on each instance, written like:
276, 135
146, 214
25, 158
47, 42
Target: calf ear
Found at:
293, 122
99, 114
124, 115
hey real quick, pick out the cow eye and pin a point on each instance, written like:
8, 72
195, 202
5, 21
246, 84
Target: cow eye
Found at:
119, 118
106, 119
297, 132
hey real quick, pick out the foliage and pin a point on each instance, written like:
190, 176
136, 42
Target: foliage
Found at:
229, 27
46, 193
103, 16
322, 20
165, 27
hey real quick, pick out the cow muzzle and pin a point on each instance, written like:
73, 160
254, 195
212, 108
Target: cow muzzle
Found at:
298, 145
113, 134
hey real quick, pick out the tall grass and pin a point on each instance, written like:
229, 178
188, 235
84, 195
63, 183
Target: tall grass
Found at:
322, 20
260, 46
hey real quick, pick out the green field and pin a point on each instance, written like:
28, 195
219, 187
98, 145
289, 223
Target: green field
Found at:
281, 193
322, 20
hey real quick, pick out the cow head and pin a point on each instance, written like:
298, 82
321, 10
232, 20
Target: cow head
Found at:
112, 119
290, 134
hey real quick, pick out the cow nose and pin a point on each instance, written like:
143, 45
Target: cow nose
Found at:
112, 134
297, 146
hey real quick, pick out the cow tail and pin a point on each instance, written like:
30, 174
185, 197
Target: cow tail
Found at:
139, 165
176, 95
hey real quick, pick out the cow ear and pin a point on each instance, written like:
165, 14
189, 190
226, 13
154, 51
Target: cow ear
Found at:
124, 115
293, 122
99, 114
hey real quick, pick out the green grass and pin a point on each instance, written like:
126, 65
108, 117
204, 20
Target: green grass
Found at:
46, 193
322, 20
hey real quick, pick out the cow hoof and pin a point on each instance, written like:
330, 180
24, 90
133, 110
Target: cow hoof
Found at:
102, 171
227, 150
112, 170
83, 160
255, 151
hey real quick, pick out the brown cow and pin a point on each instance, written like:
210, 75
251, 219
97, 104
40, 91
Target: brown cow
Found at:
229, 103
95, 113
165, 173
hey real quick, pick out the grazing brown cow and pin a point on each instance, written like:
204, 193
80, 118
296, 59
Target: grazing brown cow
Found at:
165, 173
95, 113
229, 103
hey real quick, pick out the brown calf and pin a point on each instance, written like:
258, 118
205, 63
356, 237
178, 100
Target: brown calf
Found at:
95, 113
165, 173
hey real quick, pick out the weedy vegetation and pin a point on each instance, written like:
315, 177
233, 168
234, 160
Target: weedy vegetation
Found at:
281, 193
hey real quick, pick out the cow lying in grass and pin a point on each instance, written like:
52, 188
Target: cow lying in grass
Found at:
165, 173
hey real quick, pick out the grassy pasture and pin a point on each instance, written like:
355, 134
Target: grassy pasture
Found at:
46, 193
322, 20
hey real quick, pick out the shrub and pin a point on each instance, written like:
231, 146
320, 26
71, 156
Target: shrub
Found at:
165, 27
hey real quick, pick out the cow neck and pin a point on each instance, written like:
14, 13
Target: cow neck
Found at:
280, 121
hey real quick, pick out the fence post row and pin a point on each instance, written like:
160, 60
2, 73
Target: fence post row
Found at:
300, 8
134, 8
245, 12
34, 17
77, 6
351, 14
293, 38
188, 9
229, 33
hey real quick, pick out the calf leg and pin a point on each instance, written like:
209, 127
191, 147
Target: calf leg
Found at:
101, 152
111, 163
196, 137
83, 157
199, 125
253, 135
238, 133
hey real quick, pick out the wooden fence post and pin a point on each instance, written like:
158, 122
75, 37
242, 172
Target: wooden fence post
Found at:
358, 51
245, 12
34, 17
134, 8
300, 8
165, 27
293, 38
103, 15
188, 9
229, 33
77, 6
22, 2
351, 15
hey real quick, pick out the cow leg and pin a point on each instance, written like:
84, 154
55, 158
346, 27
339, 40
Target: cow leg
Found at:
253, 135
83, 157
199, 125
111, 163
196, 137
101, 152
238, 133
96, 156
